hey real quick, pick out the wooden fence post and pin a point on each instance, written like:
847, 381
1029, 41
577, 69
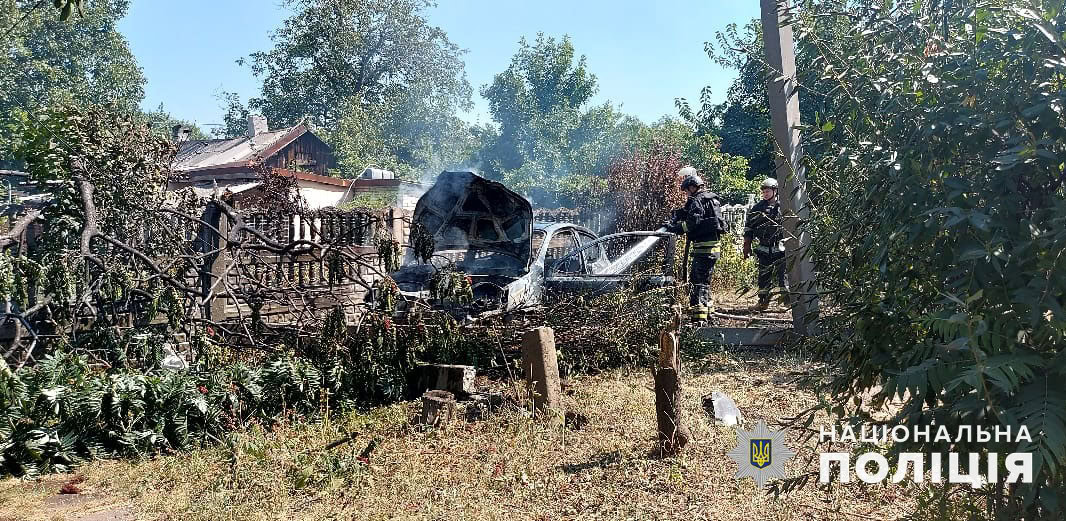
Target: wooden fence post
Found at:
215, 264
540, 366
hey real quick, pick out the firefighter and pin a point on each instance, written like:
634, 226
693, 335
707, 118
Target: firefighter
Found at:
700, 219
764, 223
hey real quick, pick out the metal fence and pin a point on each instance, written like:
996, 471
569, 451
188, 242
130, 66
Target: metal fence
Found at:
735, 214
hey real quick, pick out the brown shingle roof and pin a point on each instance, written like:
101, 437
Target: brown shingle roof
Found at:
208, 154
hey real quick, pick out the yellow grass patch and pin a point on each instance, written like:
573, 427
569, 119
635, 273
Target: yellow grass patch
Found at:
507, 467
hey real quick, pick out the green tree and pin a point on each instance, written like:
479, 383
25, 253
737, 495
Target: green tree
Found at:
78, 149
940, 235
69, 7
742, 121
162, 124
724, 173
377, 66
44, 60
234, 117
546, 142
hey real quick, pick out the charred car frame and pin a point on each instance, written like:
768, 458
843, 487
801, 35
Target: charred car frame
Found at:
483, 231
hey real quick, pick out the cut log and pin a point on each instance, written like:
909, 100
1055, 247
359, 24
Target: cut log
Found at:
438, 407
672, 434
540, 366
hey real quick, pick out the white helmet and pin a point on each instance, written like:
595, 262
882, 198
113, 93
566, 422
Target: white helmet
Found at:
689, 177
769, 182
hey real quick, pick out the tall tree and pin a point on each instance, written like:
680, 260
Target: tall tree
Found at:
235, 117
45, 61
725, 173
381, 57
742, 121
548, 144
161, 124
744, 118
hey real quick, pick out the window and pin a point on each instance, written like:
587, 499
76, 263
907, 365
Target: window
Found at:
594, 256
486, 230
538, 240
560, 244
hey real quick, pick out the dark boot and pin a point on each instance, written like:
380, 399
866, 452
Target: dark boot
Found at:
764, 302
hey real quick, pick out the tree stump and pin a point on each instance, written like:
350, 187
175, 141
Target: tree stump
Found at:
438, 408
540, 366
668, 351
672, 434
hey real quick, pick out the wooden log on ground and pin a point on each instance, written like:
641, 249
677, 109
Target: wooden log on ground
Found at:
540, 366
438, 408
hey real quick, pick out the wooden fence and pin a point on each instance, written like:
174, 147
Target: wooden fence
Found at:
598, 221
301, 278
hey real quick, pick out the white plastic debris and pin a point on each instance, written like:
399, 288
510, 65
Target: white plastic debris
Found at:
725, 409
172, 361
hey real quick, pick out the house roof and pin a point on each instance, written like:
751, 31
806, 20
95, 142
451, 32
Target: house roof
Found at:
232, 159
206, 190
210, 154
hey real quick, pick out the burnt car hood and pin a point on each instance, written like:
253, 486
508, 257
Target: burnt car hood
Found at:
463, 211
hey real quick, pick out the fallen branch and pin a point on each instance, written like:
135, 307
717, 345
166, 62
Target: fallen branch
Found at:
12, 237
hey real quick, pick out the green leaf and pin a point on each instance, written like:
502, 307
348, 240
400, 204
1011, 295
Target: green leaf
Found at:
975, 253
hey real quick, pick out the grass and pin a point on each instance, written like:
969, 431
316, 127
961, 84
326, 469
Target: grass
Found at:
506, 467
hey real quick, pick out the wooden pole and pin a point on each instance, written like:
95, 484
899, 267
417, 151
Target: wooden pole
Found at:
215, 264
673, 436
791, 176
540, 366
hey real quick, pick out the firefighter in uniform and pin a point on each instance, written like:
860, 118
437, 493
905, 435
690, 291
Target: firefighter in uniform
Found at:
698, 220
764, 223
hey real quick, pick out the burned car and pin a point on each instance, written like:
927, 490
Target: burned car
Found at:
483, 232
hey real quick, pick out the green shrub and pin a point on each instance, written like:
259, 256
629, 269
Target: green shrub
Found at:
732, 272
944, 171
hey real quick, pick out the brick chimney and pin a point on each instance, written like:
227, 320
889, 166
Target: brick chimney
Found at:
256, 125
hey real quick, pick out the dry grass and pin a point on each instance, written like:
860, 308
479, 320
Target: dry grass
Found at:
508, 467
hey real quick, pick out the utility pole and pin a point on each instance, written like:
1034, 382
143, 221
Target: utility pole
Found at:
783, 95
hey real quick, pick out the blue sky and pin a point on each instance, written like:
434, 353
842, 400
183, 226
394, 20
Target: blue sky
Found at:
644, 53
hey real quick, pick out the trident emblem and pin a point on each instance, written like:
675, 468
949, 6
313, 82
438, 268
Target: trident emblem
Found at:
760, 452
